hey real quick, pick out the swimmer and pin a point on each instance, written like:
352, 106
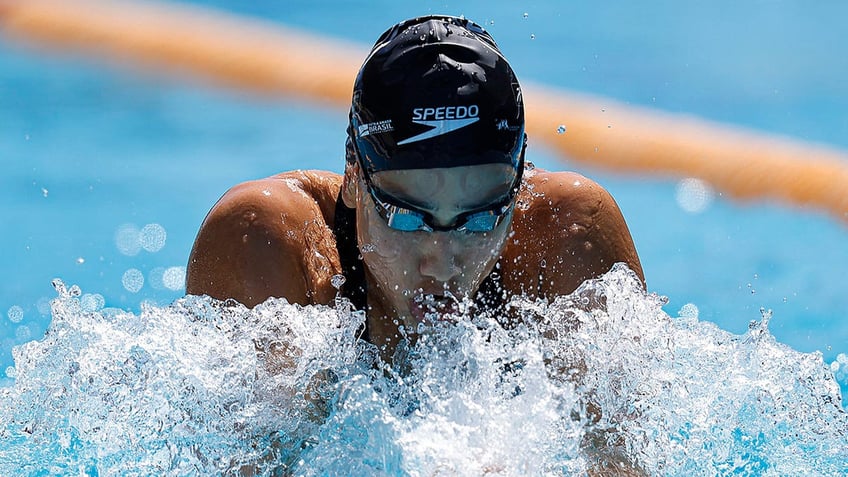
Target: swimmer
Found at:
435, 193
437, 205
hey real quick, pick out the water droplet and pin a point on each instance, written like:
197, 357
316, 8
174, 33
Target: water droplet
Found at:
127, 240
152, 237
689, 310
23, 333
338, 281
133, 280
561, 129
43, 305
694, 195
15, 314
59, 286
174, 278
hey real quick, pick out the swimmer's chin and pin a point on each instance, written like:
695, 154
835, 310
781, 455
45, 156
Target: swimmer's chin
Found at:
432, 309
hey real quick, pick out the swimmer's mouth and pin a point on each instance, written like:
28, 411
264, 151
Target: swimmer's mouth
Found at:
433, 308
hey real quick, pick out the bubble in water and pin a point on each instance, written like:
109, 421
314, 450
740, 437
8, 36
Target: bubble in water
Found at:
44, 192
133, 280
694, 195
561, 129
11, 372
15, 314
80, 260
689, 310
525, 15
152, 237
532, 36
127, 240
174, 278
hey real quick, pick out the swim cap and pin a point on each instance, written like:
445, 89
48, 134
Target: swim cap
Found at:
435, 91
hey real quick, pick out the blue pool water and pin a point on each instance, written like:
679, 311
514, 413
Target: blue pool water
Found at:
108, 172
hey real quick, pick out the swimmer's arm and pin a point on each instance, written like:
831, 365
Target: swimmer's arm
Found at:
572, 231
580, 233
254, 244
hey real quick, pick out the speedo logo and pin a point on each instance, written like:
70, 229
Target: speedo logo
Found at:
443, 119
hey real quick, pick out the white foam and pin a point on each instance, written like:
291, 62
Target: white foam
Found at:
200, 387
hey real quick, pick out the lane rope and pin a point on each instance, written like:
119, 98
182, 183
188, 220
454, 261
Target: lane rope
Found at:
268, 58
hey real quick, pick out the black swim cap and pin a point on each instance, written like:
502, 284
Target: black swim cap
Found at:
435, 91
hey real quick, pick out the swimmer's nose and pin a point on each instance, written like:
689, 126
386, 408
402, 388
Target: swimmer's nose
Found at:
438, 261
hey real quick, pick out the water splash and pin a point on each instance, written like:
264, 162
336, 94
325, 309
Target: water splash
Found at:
599, 379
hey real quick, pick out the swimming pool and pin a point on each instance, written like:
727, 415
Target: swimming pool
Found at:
110, 170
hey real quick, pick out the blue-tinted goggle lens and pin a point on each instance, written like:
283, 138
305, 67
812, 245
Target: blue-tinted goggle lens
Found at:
406, 218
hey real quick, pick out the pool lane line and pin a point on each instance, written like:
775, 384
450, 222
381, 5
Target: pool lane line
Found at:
250, 54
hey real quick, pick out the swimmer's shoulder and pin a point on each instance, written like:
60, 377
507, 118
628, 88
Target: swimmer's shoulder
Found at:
580, 195
567, 229
307, 188
269, 237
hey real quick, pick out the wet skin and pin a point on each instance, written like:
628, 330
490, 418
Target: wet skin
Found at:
273, 238
419, 276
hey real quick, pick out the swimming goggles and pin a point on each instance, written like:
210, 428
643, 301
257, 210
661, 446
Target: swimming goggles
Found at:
405, 217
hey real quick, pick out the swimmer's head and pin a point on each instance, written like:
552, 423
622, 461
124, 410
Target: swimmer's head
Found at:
435, 92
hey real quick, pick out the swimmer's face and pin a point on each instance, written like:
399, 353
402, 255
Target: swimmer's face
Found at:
403, 266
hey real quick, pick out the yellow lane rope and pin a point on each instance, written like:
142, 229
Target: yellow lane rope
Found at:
251, 54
